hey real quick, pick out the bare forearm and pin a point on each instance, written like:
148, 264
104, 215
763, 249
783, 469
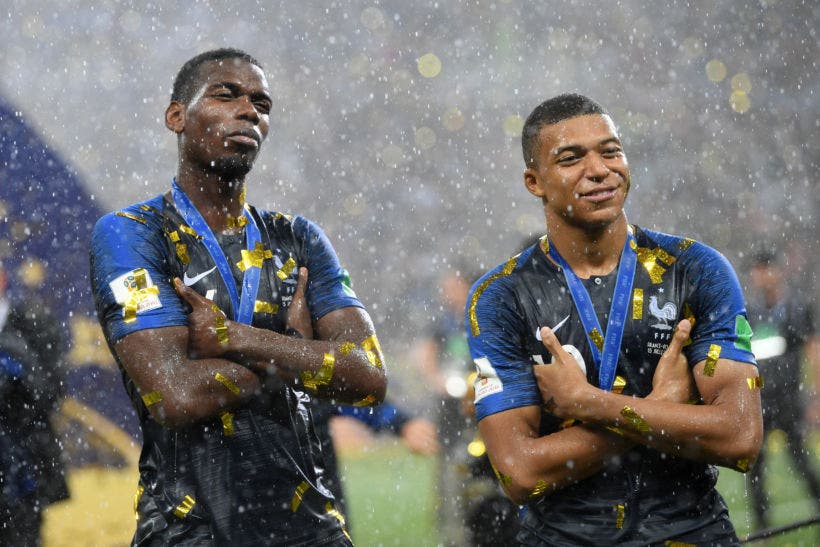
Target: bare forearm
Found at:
344, 370
723, 434
529, 467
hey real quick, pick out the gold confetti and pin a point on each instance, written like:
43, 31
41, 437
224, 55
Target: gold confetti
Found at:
711, 360
286, 269
619, 384
255, 258
367, 401
185, 507
131, 217
227, 423
597, 339
265, 307
743, 464
182, 253
323, 376
634, 420
672, 543
540, 487
347, 347
372, 350
755, 383
637, 304
225, 381
221, 327
620, 511
685, 244
188, 230
137, 496
298, 495
152, 398
173, 236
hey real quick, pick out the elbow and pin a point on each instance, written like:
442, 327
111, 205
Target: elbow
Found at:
522, 486
746, 450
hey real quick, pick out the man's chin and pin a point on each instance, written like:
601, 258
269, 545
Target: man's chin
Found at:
235, 166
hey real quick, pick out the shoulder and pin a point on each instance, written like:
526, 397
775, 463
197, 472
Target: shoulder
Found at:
692, 256
134, 220
495, 288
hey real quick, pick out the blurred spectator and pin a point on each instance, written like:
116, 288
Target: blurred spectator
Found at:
32, 474
417, 434
784, 331
444, 361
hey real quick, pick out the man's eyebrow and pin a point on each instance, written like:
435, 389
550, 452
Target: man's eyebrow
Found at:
237, 88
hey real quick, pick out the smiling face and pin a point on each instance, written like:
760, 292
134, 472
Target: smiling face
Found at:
222, 127
580, 172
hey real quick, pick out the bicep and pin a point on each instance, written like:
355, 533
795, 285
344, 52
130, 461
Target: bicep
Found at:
351, 324
150, 357
504, 432
728, 383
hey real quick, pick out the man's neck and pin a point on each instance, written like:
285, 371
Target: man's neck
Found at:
589, 251
218, 200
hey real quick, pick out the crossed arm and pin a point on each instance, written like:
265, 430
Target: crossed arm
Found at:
726, 430
186, 374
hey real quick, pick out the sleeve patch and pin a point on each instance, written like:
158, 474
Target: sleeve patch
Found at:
487, 381
130, 289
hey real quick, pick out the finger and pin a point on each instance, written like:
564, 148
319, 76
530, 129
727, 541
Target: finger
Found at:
301, 283
187, 293
551, 342
680, 336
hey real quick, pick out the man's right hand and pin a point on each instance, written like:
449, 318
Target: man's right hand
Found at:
673, 382
205, 317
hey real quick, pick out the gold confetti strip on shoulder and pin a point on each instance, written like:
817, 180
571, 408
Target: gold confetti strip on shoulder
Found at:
185, 507
184, 228
150, 209
620, 513
755, 383
540, 487
347, 347
298, 495
227, 423
137, 496
711, 360
367, 401
260, 306
648, 260
507, 270
131, 217
286, 269
373, 350
225, 381
152, 398
637, 304
743, 465
685, 244
634, 421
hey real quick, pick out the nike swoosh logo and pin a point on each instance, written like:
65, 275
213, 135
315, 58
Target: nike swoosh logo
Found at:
188, 281
554, 329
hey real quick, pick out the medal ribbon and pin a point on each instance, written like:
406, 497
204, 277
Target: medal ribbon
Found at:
242, 308
606, 358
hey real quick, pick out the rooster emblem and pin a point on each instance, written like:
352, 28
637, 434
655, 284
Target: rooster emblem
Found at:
665, 315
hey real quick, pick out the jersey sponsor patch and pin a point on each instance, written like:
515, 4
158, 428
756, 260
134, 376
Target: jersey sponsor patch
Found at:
487, 382
130, 291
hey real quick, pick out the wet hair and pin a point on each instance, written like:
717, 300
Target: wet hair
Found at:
188, 77
551, 111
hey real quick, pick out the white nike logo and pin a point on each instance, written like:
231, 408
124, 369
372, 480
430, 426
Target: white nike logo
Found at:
188, 281
555, 328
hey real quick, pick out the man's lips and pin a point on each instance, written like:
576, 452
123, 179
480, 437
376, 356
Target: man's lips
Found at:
245, 138
600, 195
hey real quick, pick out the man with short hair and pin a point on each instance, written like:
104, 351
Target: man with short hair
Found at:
194, 289
587, 345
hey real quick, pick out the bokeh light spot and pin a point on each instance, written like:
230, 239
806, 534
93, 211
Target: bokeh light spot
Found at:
425, 138
716, 70
429, 65
513, 124
740, 101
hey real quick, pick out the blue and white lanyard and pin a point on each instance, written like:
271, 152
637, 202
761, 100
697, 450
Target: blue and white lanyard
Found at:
606, 358
242, 309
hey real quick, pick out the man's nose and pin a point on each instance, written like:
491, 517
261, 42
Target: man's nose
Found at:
247, 110
596, 167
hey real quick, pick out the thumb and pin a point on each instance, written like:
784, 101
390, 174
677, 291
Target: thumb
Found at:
680, 336
187, 293
551, 342
301, 283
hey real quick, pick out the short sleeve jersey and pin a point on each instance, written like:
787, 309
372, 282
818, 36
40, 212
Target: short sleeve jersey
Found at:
252, 476
650, 496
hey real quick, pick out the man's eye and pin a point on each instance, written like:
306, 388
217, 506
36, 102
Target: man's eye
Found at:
567, 159
612, 152
263, 107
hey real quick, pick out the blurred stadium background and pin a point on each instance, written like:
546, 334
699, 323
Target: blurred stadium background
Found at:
397, 130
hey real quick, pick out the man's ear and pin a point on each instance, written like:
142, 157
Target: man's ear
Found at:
532, 184
175, 117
